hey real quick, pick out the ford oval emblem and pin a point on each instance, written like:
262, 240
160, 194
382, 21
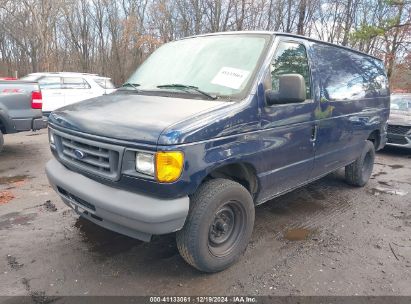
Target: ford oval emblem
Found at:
79, 154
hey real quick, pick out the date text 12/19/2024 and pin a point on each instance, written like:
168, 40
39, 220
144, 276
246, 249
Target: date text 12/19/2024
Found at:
204, 299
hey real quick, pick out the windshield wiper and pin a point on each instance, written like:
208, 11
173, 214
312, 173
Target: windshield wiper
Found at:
184, 88
132, 85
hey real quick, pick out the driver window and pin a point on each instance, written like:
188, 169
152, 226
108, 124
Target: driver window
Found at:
290, 58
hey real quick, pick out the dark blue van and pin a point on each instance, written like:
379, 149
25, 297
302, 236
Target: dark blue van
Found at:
210, 126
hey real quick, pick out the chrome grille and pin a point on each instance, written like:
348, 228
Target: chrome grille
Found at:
88, 155
94, 156
396, 129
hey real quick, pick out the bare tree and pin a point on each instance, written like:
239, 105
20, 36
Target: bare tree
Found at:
113, 37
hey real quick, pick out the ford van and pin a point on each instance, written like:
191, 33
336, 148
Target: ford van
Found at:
209, 127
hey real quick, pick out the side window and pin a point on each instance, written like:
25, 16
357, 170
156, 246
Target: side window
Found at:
346, 75
375, 82
290, 58
75, 83
50, 83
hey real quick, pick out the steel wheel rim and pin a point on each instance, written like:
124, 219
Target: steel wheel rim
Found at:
226, 228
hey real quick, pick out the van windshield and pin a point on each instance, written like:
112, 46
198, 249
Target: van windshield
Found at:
218, 65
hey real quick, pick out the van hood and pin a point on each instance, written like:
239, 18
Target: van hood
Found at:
130, 117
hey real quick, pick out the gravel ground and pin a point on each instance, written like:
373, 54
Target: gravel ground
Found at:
324, 239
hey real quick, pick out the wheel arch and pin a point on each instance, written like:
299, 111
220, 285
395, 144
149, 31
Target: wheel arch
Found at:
242, 172
375, 138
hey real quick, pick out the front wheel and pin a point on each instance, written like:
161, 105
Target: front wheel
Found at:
359, 172
218, 226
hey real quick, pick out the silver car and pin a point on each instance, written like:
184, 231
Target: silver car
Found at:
399, 123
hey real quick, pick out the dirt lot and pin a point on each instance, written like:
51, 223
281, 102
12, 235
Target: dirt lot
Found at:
324, 239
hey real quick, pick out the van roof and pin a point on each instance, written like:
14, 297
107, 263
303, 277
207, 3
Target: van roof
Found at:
272, 33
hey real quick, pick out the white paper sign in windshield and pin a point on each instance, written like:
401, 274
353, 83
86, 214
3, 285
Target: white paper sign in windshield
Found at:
230, 77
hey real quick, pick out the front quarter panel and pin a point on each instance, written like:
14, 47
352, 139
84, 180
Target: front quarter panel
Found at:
202, 158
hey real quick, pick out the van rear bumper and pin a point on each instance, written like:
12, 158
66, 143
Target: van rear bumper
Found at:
125, 212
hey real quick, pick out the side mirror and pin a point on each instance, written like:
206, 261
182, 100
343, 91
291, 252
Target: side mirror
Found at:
291, 90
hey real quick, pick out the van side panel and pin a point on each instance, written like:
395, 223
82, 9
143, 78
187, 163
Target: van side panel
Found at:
287, 153
353, 95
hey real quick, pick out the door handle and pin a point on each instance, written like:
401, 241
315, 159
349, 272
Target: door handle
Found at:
314, 131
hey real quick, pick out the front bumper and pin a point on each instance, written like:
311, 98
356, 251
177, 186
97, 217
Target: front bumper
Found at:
128, 213
399, 141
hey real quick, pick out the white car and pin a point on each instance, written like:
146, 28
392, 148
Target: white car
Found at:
63, 88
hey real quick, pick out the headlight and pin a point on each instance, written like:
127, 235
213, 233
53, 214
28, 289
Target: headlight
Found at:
169, 166
145, 163
166, 167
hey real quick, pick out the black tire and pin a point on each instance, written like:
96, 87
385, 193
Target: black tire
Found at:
218, 227
359, 172
1, 141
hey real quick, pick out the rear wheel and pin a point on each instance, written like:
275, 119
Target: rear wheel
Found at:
359, 172
218, 227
